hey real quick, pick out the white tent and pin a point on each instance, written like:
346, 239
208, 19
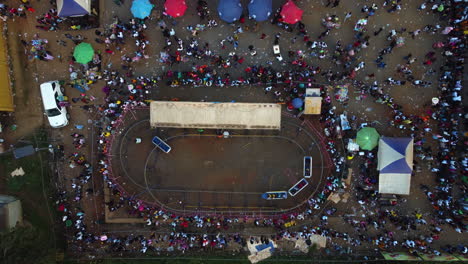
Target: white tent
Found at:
395, 163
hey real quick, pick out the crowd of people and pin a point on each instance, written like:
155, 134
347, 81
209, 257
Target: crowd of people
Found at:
123, 91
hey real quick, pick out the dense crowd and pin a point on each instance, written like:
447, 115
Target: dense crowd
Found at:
124, 91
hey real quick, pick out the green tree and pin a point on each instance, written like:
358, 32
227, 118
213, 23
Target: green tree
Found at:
23, 245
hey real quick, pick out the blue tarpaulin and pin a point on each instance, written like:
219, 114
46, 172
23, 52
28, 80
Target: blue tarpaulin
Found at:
23, 151
264, 246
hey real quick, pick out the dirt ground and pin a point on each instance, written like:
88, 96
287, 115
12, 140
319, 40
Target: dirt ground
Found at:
217, 174
29, 74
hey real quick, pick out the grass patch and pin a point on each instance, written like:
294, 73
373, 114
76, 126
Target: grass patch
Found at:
31, 181
30, 189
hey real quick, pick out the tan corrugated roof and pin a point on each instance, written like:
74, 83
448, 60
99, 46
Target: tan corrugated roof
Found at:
215, 115
313, 105
6, 98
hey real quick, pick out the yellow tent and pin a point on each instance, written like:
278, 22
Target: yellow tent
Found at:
6, 97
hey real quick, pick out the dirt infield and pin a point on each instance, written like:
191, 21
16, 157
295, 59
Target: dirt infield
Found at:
208, 173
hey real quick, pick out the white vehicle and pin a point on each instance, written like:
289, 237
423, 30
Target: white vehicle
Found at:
57, 115
277, 52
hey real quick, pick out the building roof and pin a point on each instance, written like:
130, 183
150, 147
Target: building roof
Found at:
6, 96
10, 212
215, 115
70, 8
313, 102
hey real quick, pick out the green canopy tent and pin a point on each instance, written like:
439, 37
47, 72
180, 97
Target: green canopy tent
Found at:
367, 138
83, 53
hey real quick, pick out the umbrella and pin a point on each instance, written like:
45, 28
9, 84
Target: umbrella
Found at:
229, 10
260, 10
175, 8
290, 13
83, 53
297, 102
367, 138
141, 8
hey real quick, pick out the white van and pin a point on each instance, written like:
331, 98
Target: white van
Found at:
56, 114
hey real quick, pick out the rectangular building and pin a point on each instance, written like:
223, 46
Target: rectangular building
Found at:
6, 95
215, 115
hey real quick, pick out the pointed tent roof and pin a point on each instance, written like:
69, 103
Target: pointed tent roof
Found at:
395, 162
69, 8
395, 155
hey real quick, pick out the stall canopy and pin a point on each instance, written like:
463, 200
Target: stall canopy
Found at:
367, 138
260, 10
73, 8
313, 102
395, 163
141, 8
290, 13
215, 115
83, 53
229, 10
175, 8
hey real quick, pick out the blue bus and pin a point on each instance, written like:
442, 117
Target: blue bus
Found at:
161, 144
298, 187
307, 166
275, 195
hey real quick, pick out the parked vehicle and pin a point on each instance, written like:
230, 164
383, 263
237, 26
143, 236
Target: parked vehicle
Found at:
298, 187
275, 195
161, 144
56, 114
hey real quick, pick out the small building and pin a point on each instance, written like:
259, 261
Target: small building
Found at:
11, 212
313, 102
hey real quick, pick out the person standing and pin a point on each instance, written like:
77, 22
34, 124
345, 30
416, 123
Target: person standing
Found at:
348, 15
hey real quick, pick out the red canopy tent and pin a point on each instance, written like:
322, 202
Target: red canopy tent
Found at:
175, 8
290, 13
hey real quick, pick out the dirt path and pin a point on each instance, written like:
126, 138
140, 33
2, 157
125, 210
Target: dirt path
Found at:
28, 114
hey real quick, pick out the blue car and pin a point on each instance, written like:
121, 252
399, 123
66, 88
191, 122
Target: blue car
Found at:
275, 195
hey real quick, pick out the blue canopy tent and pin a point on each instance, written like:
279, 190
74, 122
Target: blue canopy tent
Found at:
229, 10
297, 102
73, 8
260, 10
395, 163
141, 8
